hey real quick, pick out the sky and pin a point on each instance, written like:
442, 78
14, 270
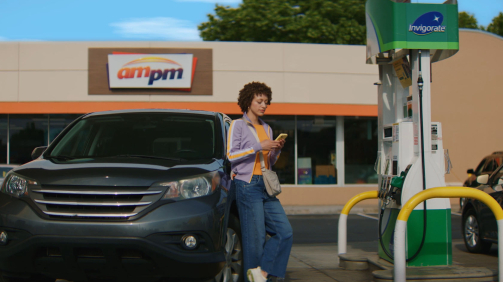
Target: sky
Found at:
128, 20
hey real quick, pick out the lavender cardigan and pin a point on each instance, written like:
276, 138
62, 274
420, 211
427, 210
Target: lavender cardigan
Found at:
242, 148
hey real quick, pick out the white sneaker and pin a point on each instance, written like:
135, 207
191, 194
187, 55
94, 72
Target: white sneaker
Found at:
255, 275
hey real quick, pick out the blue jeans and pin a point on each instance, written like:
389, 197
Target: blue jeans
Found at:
260, 213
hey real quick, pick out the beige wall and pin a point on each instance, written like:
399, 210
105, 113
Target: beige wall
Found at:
297, 73
332, 196
467, 98
323, 196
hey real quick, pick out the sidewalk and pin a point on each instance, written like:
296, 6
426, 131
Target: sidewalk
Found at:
320, 262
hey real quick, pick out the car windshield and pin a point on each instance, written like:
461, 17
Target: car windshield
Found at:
161, 135
498, 174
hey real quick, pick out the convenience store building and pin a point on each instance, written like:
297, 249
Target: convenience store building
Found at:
323, 96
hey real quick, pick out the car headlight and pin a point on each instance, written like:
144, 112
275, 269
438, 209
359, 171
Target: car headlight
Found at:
16, 185
193, 187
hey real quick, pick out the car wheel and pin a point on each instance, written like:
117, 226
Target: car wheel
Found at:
233, 269
471, 234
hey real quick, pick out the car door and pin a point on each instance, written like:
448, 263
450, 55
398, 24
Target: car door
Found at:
489, 226
226, 180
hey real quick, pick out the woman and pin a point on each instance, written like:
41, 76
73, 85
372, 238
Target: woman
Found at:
259, 213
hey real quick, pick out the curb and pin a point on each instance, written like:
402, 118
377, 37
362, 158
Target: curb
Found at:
336, 209
311, 210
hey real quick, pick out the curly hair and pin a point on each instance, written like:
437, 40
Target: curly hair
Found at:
249, 91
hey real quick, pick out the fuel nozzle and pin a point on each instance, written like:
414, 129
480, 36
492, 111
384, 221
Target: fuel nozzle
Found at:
396, 187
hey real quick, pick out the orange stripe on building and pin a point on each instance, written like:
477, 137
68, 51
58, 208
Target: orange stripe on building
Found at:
224, 107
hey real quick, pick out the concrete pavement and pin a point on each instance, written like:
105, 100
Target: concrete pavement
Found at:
320, 262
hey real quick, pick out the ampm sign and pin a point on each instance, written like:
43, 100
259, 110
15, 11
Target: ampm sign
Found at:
150, 71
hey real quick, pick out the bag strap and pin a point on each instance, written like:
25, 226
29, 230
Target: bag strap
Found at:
254, 132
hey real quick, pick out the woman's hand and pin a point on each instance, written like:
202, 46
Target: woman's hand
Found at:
269, 145
281, 144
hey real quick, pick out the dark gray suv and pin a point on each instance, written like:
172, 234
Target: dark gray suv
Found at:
133, 195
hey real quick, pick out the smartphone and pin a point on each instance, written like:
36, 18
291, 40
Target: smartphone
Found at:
281, 136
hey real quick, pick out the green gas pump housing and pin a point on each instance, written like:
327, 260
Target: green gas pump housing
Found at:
404, 39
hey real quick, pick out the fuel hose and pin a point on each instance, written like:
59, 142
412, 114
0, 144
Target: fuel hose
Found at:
420, 84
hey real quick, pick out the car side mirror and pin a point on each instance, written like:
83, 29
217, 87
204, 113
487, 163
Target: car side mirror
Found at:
37, 152
470, 171
483, 179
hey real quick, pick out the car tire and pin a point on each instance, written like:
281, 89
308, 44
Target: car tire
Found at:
471, 234
233, 269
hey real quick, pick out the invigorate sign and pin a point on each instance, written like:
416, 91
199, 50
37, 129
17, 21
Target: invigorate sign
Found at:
400, 25
428, 23
168, 71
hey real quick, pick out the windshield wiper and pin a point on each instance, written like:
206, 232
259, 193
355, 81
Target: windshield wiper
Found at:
64, 158
148, 157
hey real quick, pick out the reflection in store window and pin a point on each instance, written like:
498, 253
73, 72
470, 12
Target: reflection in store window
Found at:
285, 166
3, 139
316, 139
360, 149
26, 133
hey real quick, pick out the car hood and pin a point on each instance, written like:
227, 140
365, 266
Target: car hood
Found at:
112, 172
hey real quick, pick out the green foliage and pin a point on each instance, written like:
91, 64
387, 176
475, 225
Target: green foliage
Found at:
467, 20
496, 26
304, 21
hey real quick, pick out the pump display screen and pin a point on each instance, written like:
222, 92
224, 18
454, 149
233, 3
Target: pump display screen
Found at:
388, 132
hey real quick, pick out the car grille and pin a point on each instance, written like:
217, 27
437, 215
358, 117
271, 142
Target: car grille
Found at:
93, 202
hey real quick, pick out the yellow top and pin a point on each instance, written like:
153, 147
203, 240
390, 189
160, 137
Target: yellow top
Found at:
262, 135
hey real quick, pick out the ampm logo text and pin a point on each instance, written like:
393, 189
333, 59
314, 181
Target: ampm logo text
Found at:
428, 23
168, 71
128, 72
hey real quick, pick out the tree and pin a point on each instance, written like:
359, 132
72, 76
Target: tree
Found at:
496, 26
304, 21
467, 20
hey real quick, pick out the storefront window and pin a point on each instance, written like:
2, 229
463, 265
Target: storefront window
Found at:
3, 139
26, 133
360, 149
285, 166
316, 150
57, 123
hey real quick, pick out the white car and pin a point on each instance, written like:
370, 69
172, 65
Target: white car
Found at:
4, 168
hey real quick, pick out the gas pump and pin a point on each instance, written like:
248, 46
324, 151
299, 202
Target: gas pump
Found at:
404, 39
